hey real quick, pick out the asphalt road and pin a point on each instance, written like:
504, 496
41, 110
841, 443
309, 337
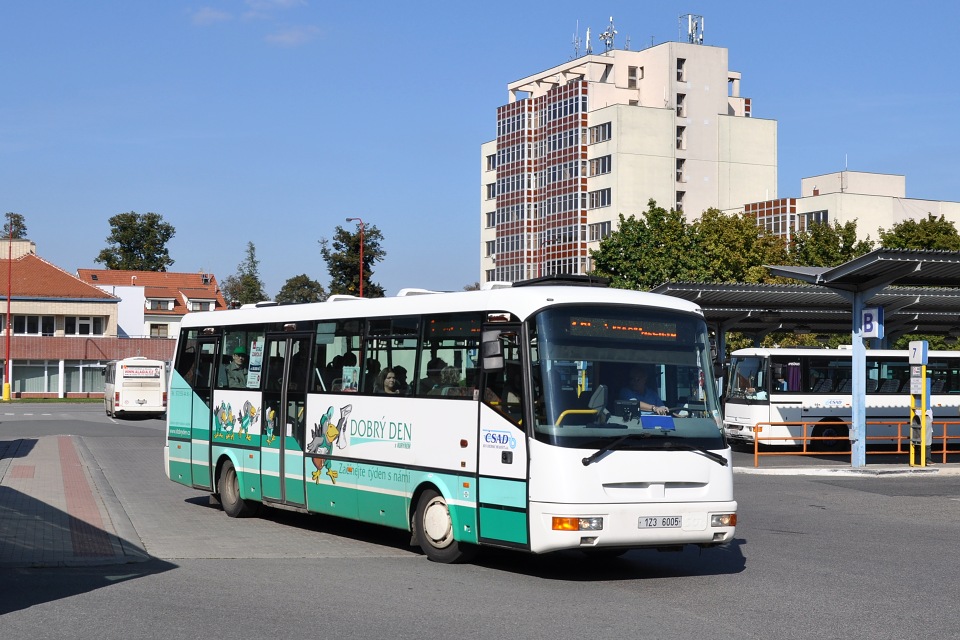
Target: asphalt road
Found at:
814, 557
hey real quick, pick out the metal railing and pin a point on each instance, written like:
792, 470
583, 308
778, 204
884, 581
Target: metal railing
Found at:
808, 442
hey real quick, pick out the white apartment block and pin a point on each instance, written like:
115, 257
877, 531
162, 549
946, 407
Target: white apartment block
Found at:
603, 134
874, 200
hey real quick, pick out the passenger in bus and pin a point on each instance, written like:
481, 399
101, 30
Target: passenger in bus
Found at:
387, 383
371, 375
188, 365
637, 391
432, 381
450, 381
237, 369
401, 373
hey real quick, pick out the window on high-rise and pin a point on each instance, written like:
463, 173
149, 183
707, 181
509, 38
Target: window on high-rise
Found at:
600, 133
681, 109
680, 165
681, 72
599, 198
491, 191
491, 247
681, 137
599, 231
491, 162
600, 165
680, 196
634, 74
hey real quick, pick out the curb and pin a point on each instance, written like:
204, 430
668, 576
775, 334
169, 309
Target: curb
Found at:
125, 532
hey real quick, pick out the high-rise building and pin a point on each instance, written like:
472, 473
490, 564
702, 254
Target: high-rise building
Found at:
873, 200
602, 135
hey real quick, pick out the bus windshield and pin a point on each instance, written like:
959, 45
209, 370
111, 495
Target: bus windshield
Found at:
747, 379
601, 373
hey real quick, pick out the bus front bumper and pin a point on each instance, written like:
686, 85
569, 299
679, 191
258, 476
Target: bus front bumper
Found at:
632, 526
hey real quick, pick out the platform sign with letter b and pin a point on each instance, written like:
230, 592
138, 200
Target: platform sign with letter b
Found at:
872, 322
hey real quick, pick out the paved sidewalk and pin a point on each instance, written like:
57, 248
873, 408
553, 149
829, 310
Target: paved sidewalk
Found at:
57, 508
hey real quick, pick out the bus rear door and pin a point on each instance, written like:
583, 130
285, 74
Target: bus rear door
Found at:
283, 418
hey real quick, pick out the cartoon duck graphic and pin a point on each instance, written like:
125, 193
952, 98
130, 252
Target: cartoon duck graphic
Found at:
271, 424
325, 435
247, 416
223, 422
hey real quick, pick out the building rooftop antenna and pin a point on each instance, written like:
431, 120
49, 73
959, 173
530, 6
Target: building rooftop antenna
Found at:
607, 36
576, 41
694, 28
589, 49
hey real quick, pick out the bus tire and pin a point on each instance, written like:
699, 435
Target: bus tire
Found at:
433, 529
829, 430
229, 490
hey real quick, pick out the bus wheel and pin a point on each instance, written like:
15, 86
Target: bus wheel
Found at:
434, 531
229, 488
829, 430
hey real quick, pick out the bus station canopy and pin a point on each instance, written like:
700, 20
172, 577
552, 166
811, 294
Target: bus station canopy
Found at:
918, 290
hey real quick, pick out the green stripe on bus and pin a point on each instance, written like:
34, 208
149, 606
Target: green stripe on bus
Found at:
509, 493
501, 524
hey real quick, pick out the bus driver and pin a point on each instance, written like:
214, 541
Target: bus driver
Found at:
637, 391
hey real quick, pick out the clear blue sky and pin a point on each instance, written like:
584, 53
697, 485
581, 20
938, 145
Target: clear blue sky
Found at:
273, 120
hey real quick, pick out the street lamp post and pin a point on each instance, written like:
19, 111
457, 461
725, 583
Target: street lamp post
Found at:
8, 366
358, 220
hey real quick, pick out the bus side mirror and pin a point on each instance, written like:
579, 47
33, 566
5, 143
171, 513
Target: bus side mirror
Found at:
491, 351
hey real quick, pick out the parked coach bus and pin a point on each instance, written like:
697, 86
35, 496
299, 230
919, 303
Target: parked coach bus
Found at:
135, 385
811, 389
470, 419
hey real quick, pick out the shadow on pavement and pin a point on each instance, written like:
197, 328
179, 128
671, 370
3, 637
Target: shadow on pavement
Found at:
22, 587
47, 554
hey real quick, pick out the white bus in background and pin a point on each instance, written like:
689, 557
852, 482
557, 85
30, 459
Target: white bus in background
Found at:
135, 385
811, 389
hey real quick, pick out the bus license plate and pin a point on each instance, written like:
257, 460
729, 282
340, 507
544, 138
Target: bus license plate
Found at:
660, 522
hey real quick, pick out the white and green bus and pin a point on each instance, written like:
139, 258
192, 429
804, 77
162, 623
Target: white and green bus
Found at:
470, 419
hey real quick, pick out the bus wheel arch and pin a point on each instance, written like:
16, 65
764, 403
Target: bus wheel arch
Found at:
228, 491
829, 429
434, 529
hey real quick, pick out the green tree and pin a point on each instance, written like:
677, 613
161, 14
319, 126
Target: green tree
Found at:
245, 286
931, 233
301, 289
645, 252
731, 248
342, 255
15, 227
662, 246
137, 242
826, 245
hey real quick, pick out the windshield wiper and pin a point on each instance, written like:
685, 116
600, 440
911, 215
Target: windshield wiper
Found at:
683, 446
611, 446
672, 443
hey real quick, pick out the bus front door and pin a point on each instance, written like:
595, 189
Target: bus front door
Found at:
283, 418
201, 412
502, 484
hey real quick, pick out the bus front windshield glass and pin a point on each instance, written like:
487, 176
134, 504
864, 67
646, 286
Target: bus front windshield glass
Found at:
747, 379
602, 373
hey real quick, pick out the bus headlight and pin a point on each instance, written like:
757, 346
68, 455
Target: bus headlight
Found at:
578, 524
723, 520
